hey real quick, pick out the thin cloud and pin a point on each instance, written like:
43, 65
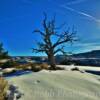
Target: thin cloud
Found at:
87, 45
75, 2
81, 13
90, 17
84, 47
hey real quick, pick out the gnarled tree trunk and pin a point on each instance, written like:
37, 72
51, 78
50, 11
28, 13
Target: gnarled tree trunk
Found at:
52, 63
53, 41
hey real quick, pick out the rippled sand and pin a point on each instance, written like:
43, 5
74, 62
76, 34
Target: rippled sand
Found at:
58, 85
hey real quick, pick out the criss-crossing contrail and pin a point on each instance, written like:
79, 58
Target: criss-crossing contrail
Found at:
90, 17
81, 13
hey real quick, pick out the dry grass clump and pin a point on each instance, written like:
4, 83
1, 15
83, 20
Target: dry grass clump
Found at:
23, 67
44, 66
35, 67
3, 88
38, 67
56, 68
59, 68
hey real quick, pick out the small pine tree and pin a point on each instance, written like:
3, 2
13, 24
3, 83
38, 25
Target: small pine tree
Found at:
3, 53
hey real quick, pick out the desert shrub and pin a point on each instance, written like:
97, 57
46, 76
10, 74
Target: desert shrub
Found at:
9, 64
44, 66
3, 88
23, 67
66, 62
60, 68
75, 69
57, 68
35, 67
9, 71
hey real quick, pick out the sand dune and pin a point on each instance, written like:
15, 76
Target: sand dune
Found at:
58, 85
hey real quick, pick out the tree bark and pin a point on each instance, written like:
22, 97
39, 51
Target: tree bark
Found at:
52, 63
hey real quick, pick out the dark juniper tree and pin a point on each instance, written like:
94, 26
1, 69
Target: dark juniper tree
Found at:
3, 53
52, 40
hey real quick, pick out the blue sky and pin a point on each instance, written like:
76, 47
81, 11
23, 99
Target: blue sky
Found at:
18, 18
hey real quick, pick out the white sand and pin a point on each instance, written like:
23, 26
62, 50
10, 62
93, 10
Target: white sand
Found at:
81, 67
89, 68
58, 85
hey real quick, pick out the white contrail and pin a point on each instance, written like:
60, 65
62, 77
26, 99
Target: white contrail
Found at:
81, 13
75, 2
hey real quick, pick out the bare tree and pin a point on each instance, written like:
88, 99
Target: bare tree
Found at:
53, 41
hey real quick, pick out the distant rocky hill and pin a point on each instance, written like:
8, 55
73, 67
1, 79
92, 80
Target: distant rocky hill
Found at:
91, 58
91, 54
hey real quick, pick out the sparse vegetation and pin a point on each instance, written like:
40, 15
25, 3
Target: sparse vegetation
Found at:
24, 67
57, 68
9, 71
3, 88
36, 67
44, 66
66, 62
9, 64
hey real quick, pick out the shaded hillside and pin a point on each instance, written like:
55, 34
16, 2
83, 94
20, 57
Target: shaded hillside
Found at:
91, 54
91, 58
